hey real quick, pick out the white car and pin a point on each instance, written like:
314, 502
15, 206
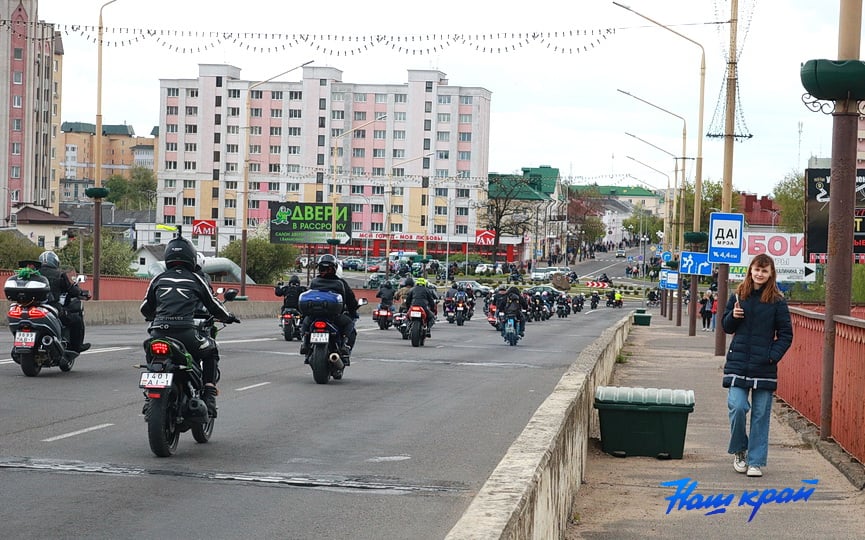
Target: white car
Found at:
483, 267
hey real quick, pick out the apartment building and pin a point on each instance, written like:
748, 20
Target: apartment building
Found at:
411, 158
30, 54
121, 151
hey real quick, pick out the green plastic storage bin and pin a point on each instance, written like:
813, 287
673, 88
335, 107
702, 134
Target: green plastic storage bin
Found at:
643, 421
640, 310
642, 319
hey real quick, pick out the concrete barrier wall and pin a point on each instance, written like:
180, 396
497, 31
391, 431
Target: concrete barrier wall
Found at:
531, 492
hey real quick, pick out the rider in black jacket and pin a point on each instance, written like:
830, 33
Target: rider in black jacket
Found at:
328, 280
67, 299
386, 294
290, 292
423, 296
170, 303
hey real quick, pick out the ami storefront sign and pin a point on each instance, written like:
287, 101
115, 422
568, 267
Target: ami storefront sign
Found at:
485, 237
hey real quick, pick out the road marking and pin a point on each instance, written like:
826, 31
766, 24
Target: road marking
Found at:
450, 362
220, 341
91, 351
383, 459
251, 386
74, 433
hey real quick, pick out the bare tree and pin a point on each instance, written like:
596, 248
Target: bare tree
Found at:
510, 206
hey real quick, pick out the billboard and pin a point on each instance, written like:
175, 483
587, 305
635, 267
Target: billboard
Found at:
817, 182
308, 223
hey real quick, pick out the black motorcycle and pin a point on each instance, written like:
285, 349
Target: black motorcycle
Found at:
289, 322
325, 339
173, 385
39, 337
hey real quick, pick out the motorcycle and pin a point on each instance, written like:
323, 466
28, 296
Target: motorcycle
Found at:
449, 307
418, 325
515, 277
40, 338
561, 310
492, 317
594, 302
289, 321
510, 330
461, 312
400, 321
173, 384
612, 302
578, 305
383, 316
325, 339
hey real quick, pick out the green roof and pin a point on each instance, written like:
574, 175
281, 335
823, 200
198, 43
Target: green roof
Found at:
107, 129
535, 184
616, 191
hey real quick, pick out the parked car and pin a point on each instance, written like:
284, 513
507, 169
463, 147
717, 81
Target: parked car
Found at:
479, 290
620, 253
375, 266
353, 264
483, 267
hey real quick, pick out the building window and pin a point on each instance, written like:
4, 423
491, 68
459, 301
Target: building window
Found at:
444, 118
443, 136
16, 149
465, 100
17, 77
18, 53
172, 92
376, 227
16, 124
358, 171
440, 229
399, 135
444, 100
464, 155
465, 119
294, 113
378, 152
294, 132
189, 184
396, 227
357, 190
462, 210
465, 136
462, 229
380, 134
337, 115
360, 115
442, 154
396, 209
191, 128
360, 98
292, 187
463, 193
360, 134
170, 165
275, 149
190, 147
234, 93
15, 171
232, 148
441, 173
293, 150
275, 131
233, 112
441, 192
276, 94
171, 147
295, 95
400, 98
255, 112
17, 102
254, 148
255, 130
427, 106
189, 165
192, 111
169, 201
255, 94
376, 208
232, 130
358, 152
189, 201
378, 171
276, 113
171, 110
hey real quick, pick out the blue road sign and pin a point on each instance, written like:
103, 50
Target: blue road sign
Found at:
697, 263
725, 237
666, 256
662, 279
673, 281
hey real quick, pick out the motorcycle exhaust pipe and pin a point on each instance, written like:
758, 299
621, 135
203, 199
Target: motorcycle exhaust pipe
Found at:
49, 343
336, 360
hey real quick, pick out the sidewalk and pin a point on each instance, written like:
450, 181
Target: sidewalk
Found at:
622, 498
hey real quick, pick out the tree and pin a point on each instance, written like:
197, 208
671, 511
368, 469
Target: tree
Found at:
14, 247
115, 260
710, 201
510, 207
585, 206
265, 262
789, 195
135, 193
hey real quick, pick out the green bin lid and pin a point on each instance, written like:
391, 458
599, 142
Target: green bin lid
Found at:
644, 396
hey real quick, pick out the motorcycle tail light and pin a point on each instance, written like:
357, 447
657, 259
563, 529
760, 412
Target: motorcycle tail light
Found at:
319, 325
159, 348
37, 313
15, 311
154, 395
287, 316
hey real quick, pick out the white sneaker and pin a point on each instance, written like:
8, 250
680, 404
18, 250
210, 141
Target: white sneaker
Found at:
739, 463
754, 471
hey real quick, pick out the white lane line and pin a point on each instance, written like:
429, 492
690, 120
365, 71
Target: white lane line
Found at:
74, 433
220, 341
251, 386
106, 349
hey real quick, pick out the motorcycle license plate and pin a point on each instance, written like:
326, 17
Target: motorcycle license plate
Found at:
416, 314
25, 339
460, 308
155, 380
320, 337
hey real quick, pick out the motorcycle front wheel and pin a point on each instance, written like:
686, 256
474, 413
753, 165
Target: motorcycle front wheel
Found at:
202, 432
162, 432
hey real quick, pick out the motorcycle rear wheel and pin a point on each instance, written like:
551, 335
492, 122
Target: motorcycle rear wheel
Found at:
29, 365
416, 332
162, 431
66, 363
320, 364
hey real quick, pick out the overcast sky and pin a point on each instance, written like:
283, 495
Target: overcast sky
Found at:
554, 83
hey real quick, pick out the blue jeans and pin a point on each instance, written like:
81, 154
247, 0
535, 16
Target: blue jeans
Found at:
757, 443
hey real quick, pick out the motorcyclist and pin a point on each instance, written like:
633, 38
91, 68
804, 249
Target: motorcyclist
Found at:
385, 294
403, 291
596, 298
328, 280
170, 303
67, 299
290, 293
604, 278
423, 296
617, 298
513, 303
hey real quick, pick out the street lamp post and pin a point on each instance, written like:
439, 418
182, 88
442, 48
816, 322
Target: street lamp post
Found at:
243, 211
333, 240
667, 205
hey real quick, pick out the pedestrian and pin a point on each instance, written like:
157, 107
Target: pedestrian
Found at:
706, 310
759, 319
714, 311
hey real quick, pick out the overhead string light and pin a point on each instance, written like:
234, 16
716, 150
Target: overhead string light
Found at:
567, 41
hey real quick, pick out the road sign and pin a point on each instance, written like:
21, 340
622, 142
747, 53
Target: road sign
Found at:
806, 273
597, 284
725, 237
692, 262
672, 281
666, 256
786, 249
662, 278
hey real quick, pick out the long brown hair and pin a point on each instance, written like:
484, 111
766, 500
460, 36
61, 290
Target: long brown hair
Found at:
771, 292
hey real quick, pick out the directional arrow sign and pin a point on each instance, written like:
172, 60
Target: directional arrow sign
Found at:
697, 263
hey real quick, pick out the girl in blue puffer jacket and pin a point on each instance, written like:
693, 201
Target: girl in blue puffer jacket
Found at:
758, 317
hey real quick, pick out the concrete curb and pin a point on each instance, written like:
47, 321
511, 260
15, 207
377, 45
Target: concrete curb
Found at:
531, 492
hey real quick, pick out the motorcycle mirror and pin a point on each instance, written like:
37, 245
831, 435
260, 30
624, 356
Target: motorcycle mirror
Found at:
80, 278
230, 294
362, 302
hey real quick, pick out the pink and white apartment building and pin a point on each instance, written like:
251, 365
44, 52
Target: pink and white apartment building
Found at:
411, 159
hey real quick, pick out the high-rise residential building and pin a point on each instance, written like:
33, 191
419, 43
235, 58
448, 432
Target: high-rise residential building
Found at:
411, 159
30, 54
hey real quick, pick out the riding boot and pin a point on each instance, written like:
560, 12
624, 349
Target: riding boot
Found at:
304, 346
209, 396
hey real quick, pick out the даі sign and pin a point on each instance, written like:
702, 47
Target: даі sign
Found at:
817, 183
308, 223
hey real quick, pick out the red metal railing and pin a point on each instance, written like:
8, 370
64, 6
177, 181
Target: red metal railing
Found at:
800, 376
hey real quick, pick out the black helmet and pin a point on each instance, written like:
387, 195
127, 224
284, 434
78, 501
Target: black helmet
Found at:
387, 285
409, 282
49, 259
327, 264
294, 280
180, 252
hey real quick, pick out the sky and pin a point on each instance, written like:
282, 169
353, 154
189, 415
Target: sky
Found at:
555, 70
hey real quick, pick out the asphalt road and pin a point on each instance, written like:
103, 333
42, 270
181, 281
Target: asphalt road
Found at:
396, 449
